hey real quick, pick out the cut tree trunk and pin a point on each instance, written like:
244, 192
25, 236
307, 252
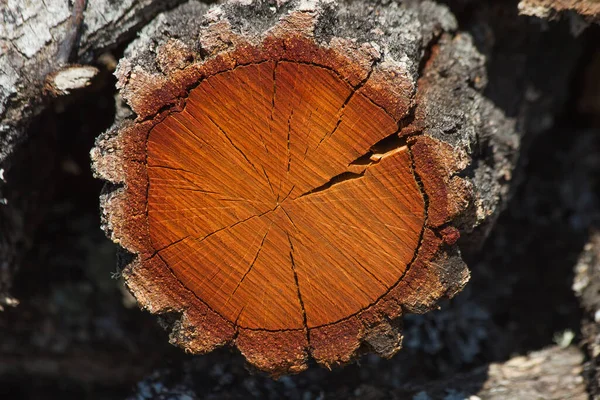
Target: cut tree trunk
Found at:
299, 173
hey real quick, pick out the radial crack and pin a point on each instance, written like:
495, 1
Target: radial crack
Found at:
268, 180
167, 246
272, 114
234, 224
232, 143
186, 189
262, 242
343, 107
343, 177
339, 121
180, 170
305, 321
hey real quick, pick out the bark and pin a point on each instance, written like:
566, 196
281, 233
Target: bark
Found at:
588, 10
38, 40
464, 151
552, 373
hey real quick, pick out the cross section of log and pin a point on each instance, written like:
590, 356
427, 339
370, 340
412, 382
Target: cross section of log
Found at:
286, 187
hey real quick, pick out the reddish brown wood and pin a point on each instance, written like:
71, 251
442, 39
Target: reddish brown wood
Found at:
274, 196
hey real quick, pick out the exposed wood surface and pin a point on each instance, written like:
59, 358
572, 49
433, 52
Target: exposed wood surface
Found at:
289, 191
260, 166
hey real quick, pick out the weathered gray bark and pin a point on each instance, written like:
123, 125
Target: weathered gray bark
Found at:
550, 374
33, 36
580, 11
37, 40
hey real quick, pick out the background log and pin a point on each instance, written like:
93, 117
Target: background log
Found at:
588, 10
39, 38
586, 286
38, 41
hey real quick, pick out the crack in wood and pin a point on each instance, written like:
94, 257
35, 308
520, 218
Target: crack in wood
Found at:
251, 264
233, 144
181, 170
156, 252
371, 156
289, 132
268, 181
304, 319
344, 105
336, 180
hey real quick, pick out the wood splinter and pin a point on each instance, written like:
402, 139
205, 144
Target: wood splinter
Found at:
279, 190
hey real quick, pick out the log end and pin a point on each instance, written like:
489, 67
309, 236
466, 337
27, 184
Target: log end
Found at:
273, 197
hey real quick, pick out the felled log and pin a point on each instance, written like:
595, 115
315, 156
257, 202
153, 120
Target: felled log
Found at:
298, 174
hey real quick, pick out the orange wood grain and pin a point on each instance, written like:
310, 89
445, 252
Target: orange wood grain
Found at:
256, 205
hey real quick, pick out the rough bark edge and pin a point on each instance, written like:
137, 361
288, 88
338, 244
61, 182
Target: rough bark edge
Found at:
177, 67
550, 9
